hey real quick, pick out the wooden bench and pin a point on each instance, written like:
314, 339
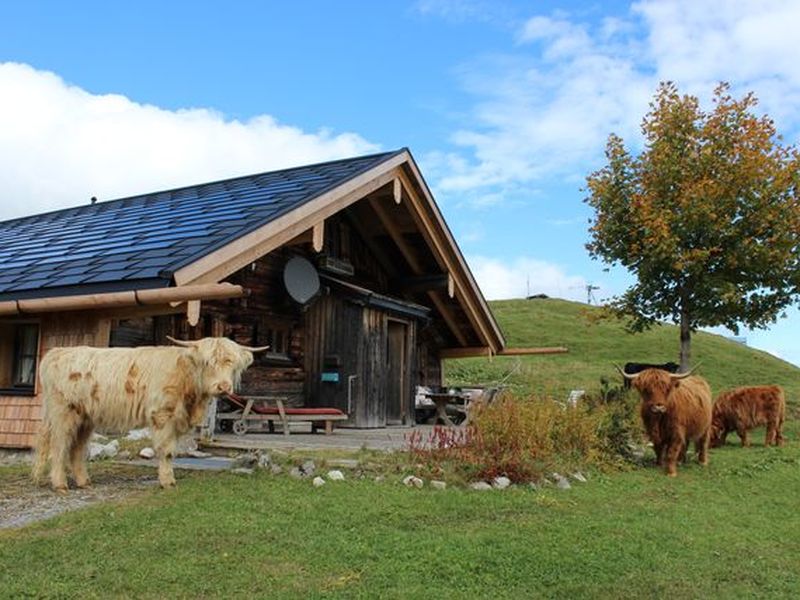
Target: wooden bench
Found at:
256, 409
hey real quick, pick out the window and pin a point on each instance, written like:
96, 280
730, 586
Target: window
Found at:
26, 350
276, 334
19, 350
277, 338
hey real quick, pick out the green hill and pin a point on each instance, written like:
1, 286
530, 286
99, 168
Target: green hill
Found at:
594, 347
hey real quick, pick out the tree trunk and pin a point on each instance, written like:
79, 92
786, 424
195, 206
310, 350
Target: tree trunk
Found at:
686, 342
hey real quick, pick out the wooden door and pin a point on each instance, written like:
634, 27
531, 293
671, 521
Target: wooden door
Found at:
396, 372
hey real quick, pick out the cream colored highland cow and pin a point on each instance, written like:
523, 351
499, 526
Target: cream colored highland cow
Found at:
116, 389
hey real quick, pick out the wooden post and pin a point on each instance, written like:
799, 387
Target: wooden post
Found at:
318, 236
397, 191
193, 312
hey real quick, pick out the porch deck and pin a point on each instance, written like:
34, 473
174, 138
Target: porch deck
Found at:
386, 439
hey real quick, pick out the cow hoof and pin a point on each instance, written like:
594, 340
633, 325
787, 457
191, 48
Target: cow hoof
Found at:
165, 485
672, 474
83, 485
61, 491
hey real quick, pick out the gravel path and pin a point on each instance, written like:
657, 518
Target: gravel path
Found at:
22, 502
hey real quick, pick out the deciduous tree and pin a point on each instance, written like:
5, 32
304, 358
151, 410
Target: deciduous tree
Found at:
706, 217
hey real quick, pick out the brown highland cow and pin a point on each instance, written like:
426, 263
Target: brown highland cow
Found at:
743, 409
676, 410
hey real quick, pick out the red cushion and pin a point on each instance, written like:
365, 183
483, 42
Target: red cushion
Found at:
273, 410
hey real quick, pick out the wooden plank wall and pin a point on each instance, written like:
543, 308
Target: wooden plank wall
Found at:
20, 416
354, 336
333, 329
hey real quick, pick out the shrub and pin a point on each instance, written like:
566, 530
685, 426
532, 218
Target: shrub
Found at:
524, 439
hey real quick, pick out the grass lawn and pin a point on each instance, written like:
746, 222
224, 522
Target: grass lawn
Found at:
729, 531
594, 347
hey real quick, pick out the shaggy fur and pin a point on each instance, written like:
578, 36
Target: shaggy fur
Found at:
675, 412
744, 408
116, 389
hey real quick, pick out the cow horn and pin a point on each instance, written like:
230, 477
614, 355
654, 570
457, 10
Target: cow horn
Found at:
624, 374
257, 349
185, 343
685, 375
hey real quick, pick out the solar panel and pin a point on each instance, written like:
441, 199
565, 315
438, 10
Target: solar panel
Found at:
136, 237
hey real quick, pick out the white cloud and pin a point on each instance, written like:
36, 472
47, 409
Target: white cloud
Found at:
60, 145
547, 108
499, 279
752, 44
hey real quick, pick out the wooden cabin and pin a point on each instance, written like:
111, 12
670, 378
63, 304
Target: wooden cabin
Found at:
346, 269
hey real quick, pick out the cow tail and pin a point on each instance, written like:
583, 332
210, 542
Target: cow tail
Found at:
42, 451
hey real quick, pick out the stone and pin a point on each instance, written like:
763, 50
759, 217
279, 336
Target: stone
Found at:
276, 469
99, 438
575, 396
124, 455
580, 477
335, 475
412, 481
147, 453
296, 473
135, 435
561, 481
98, 451
480, 486
198, 454
264, 461
242, 471
501, 483
308, 467
438, 485
534, 486
246, 461
379, 479
318, 481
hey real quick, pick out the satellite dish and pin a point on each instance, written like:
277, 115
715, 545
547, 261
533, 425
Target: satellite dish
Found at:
301, 279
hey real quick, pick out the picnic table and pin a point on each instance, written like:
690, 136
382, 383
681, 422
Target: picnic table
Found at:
442, 400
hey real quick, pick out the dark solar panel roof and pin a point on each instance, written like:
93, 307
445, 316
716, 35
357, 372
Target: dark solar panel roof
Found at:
138, 242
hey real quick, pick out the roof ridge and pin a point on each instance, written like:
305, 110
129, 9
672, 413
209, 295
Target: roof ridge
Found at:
105, 203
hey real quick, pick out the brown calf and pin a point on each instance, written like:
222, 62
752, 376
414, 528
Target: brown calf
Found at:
744, 408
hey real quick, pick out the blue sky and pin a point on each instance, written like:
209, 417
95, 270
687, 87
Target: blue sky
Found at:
505, 105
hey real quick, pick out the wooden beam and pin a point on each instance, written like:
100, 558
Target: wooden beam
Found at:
230, 258
432, 226
424, 283
487, 351
416, 268
530, 351
397, 191
318, 236
129, 298
193, 312
378, 252
397, 236
451, 285
304, 238
429, 228
466, 352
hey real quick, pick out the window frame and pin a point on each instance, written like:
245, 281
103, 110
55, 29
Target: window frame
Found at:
18, 353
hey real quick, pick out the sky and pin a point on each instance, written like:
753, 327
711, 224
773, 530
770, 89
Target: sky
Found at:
505, 105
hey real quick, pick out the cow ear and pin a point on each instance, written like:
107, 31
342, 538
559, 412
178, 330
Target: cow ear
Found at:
195, 356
